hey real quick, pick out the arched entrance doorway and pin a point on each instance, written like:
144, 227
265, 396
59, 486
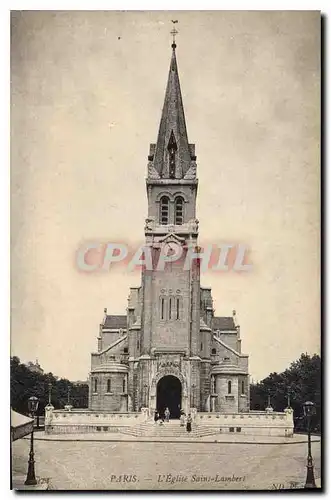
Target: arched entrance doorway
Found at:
169, 394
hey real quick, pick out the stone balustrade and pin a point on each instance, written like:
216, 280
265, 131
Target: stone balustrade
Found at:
262, 423
82, 421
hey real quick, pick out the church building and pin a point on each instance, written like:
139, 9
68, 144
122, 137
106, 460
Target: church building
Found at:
169, 349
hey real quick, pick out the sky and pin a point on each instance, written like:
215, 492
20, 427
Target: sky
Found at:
87, 91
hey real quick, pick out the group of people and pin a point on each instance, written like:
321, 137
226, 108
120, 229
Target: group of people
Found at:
165, 416
161, 417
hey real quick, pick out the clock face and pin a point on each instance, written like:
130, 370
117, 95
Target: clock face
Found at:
171, 248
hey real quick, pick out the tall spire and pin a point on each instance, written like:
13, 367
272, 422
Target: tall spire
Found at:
173, 154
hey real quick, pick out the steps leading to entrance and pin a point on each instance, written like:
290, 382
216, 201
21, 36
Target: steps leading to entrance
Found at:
169, 429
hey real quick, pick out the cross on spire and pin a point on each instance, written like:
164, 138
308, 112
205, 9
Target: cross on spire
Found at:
174, 32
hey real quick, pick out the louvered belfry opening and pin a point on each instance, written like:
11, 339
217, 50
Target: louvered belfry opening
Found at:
172, 149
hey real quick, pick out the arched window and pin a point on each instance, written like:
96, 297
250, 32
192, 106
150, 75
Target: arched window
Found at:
124, 385
138, 344
95, 385
162, 306
214, 385
177, 308
164, 210
109, 385
229, 387
170, 307
125, 350
242, 387
213, 351
201, 346
179, 210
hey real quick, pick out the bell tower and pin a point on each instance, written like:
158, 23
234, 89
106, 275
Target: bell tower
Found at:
171, 294
170, 319
171, 174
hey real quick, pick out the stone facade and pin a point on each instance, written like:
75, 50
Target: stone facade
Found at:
170, 349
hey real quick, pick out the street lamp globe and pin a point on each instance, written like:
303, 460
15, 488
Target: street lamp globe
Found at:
309, 409
33, 403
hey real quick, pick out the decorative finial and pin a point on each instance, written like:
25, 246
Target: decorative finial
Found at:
49, 393
174, 32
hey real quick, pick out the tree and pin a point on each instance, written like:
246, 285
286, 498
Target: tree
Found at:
303, 381
25, 383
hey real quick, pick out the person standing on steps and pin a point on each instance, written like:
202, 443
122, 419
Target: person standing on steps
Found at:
161, 418
167, 414
156, 416
189, 423
182, 418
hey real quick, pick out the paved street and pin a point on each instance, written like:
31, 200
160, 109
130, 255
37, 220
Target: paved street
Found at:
134, 465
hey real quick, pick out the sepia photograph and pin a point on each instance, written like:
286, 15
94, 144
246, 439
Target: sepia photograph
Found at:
165, 250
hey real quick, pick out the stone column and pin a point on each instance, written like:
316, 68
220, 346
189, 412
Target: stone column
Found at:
48, 417
195, 383
130, 386
147, 311
289, 419
195, 309
212, 404
143, 383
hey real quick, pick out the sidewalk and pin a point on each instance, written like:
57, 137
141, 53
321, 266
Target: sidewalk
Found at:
18, 484
217, 438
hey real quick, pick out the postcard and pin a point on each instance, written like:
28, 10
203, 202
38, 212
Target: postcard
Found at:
165, 249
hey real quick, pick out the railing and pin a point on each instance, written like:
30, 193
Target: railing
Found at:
93, 412
250, 418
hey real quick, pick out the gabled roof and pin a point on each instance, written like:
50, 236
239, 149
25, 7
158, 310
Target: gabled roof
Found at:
114, 344
229, 348
172, 237
115, 321
223, 323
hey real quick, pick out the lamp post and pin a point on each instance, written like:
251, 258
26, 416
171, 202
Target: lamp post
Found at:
33, 404
145, 395
309, 410
68, 406
288, 397
269, 408
49, 393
